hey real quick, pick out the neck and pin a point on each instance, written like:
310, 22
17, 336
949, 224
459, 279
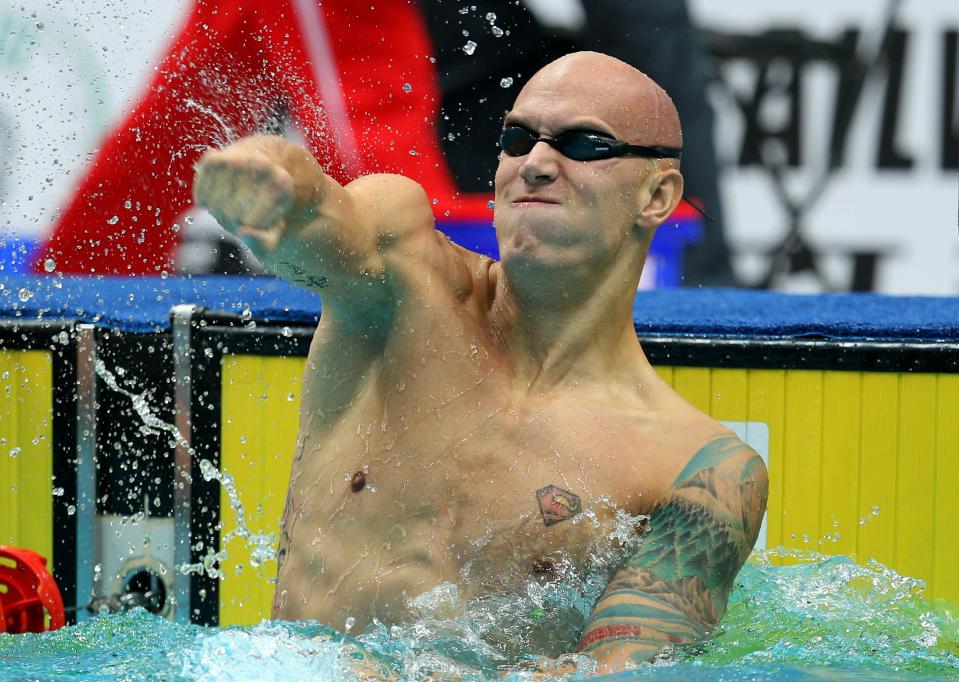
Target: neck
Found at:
564, 328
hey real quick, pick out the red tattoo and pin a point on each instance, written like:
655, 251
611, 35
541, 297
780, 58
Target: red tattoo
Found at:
556, 504
617, 631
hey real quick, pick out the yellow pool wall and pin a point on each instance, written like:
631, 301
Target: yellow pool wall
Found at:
864, 464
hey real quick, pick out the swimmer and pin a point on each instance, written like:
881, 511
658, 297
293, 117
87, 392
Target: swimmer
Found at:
460, 413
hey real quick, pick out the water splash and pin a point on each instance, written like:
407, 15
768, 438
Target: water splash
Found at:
817, 618
261, 545
229, 135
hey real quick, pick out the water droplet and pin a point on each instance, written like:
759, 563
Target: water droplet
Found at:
407, 87
114, 220
464, 10
63, 338
49, 265
505, 82
490, 17
58, 492
497, 31
350, 622
14, 452
286, 331
71, 510
127, 204
490, 204
470, 47
39, 25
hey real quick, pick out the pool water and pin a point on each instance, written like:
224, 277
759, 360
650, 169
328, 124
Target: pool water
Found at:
792, 616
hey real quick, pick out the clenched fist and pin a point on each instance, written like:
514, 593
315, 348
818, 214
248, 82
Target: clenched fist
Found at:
259, 189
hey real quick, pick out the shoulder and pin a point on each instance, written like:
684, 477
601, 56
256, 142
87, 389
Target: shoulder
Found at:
397, 205
413, 250
722, 454
727, 479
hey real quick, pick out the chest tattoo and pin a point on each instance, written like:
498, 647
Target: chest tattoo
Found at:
556, 504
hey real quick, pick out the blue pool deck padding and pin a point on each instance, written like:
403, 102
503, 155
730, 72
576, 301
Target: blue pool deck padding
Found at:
143, 304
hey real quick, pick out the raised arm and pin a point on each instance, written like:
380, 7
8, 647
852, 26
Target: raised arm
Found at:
675, 588
305, 226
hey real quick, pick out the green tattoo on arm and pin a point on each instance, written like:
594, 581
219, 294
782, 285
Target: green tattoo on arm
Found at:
675, 588
301, 276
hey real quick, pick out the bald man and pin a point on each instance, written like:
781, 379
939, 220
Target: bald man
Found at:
488, 423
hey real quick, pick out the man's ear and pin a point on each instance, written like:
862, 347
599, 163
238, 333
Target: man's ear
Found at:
666, 193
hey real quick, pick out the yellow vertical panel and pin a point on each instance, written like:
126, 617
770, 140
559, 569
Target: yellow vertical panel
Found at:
878, 448
692, 383
839, 514
241, 379
944, 581
765, 401
802, 459
729, 399
915, 474
665, 373
9, 418
259, 424
280, 427
26, 450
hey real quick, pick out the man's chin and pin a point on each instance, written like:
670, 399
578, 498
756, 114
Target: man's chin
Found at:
545, 259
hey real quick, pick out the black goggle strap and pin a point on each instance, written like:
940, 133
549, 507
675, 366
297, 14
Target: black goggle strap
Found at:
698, 205
654, 152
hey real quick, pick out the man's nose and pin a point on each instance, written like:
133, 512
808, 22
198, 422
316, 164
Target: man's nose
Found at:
540, 165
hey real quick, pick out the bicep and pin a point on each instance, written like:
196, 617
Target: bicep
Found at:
358, 235
675, 587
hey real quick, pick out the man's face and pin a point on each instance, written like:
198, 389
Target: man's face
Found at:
554, 211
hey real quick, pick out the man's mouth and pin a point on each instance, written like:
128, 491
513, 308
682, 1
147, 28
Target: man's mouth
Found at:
531, 199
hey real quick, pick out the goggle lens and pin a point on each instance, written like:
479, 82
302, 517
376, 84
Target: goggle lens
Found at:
574, 144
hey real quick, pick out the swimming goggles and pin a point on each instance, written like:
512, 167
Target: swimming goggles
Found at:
579, 145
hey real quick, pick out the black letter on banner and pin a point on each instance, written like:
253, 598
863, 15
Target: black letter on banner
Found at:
889, 156
848, 90
781, 77
950, 127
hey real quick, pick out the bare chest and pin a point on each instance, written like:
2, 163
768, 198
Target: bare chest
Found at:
472, 490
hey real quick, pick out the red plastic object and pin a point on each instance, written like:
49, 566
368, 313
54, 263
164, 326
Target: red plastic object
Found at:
28, 593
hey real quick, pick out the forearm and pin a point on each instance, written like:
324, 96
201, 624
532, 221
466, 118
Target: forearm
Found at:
614, 657
298, 221
629, 627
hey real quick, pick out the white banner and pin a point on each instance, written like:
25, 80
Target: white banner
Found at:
891, 200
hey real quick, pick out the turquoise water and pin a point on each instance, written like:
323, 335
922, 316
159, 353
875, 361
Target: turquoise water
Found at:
822, 618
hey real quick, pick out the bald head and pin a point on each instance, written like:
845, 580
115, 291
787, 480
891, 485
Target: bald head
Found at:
628, 99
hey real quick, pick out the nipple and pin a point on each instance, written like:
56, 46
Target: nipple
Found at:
358, 482
543, 564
